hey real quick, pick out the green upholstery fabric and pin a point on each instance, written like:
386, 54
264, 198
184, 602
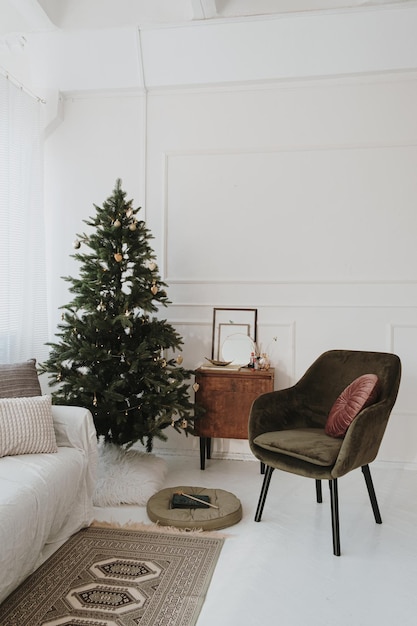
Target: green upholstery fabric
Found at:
307, 444
286, 428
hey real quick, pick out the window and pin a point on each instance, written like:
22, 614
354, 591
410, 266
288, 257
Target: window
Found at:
23, 308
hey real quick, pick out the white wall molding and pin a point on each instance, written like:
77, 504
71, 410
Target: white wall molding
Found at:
287, 84
385, 162
85, 94
326, 82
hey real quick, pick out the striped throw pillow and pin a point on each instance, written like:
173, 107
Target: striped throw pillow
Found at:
19, 380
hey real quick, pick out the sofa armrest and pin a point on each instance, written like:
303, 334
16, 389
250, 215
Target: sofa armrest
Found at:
74, 428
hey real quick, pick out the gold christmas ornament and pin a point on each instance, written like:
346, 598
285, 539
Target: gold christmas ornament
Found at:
152, 266
129, 213
117, 223
154, 289
179, 359
132, 226
118, 257
95, 400
183, 423
196, 387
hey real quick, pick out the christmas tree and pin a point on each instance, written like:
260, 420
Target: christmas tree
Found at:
112, 356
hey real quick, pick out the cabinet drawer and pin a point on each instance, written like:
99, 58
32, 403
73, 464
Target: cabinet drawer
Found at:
227, 400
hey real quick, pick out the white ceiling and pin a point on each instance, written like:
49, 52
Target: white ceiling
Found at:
75, 45
26, 16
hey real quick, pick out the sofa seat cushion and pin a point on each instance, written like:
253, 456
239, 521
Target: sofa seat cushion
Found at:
39, 496
308, 444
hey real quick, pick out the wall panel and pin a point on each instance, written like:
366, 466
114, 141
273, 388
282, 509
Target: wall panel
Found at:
299, 214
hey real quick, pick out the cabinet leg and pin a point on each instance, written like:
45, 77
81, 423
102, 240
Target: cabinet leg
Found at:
203, 453
208, 447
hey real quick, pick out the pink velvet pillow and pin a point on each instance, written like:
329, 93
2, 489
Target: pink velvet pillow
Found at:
359, 394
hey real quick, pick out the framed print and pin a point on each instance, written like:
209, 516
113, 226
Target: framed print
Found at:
234, 330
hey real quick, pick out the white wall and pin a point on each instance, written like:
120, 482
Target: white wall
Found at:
295, 194
94, 140
299, 199
295, 198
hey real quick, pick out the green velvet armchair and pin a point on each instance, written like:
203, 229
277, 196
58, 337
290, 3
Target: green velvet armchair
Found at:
287, 428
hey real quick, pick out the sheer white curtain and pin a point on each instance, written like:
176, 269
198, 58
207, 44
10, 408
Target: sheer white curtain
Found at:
23, 302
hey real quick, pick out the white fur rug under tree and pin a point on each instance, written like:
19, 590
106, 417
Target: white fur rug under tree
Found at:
127, 476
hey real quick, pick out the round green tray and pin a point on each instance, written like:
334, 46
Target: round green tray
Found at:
229, 509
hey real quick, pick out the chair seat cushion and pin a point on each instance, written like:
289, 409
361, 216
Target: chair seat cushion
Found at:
308, 444
362, 392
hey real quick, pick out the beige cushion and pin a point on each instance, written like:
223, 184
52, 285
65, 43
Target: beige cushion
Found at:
18, 380
229, 509
308, 444
26, 426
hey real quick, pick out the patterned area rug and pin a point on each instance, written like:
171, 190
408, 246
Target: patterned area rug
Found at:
118, 577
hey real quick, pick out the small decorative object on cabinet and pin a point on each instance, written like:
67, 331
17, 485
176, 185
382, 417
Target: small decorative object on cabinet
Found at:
234, 334
227, 396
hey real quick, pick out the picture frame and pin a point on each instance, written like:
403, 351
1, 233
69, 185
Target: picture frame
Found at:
227, 322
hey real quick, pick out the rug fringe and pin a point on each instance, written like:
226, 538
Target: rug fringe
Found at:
157, 528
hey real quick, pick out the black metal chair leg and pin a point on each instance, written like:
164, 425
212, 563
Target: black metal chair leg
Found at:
334, 504
371, 491
319, 494
264, 491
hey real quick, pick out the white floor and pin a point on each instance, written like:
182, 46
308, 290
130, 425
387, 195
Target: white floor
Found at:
281, 571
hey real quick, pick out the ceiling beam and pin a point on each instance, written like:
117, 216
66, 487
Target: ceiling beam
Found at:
32, 14
203, 9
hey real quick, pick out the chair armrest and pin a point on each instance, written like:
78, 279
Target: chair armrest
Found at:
280, 410
363, 439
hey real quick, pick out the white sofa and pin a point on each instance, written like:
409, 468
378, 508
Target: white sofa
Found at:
45, 498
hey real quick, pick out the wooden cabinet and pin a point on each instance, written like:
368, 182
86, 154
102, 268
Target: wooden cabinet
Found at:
227, 397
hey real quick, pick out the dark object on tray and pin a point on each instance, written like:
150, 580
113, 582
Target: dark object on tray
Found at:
182, 501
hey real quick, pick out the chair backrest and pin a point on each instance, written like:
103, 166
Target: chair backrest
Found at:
334, 370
